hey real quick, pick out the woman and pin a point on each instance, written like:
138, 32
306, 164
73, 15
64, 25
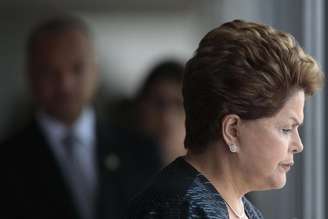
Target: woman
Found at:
160, 113
244, 93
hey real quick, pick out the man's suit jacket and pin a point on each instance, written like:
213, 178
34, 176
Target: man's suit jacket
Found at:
34, 186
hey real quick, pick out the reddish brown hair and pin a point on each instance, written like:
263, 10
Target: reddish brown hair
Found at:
242, 68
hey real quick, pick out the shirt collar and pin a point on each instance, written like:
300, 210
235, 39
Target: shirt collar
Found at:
83, 128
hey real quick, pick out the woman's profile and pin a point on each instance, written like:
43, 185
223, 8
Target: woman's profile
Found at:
243, 92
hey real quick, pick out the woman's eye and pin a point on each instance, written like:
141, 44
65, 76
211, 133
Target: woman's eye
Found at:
286, 131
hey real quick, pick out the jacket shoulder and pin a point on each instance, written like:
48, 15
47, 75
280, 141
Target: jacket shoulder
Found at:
166, 197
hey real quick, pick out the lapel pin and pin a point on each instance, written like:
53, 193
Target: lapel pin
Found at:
112, 162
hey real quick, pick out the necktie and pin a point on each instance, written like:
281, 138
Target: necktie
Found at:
69, 142
81, 186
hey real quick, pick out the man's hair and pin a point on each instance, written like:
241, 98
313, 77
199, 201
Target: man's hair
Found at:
55, 25
242, 68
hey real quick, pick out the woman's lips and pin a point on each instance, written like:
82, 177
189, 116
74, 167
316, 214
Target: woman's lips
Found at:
286, 166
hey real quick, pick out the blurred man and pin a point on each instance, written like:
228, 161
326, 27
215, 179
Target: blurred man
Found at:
66, 163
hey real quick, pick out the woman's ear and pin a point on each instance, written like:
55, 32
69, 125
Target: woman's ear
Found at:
230, 125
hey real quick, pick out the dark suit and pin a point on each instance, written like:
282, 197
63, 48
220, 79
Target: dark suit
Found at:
35, 188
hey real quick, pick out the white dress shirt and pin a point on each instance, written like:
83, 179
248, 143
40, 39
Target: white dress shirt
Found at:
79, 171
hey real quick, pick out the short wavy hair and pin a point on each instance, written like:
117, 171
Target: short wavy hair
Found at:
242, 68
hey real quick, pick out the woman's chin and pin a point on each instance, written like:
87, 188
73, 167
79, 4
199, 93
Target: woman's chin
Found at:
273, 183
279, 182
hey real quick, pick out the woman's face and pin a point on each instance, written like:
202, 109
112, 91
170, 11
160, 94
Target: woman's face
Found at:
267, 145
162, 116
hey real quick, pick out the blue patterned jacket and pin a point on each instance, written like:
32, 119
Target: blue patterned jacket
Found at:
180, 191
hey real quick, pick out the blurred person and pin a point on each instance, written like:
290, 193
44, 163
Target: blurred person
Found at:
67, 163
244, 92
160, 113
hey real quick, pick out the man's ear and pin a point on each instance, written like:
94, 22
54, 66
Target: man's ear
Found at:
229, 129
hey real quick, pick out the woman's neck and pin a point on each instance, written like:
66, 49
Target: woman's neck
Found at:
218, 165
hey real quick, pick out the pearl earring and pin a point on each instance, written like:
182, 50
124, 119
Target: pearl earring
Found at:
233, 148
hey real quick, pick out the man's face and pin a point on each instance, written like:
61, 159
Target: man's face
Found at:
62, 73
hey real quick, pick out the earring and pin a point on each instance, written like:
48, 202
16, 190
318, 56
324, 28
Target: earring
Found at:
233, 148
